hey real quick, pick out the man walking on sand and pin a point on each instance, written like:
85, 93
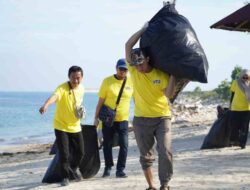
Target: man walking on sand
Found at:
66, 124
152, 88
108, 94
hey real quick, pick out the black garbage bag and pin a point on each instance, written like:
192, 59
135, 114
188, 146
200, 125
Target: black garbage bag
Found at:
53, 149
219, 134
173, 47
179, 86
89, 165
53, 173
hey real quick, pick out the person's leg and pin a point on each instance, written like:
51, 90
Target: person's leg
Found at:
122, 130
243, 127
234, 128
108, 133
144, 134
63, 150
148, 173
163, 138
77, 145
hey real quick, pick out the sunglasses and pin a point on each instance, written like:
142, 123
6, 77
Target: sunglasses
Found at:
138, 61
245, 78
122, 69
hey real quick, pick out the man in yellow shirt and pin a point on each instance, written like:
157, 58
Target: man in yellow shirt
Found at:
67, 126
152, 88
239, 116
108, 94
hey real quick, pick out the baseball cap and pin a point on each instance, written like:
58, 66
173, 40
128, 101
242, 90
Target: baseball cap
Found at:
121, 63
137, 57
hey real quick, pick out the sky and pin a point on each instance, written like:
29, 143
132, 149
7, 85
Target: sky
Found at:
41, 39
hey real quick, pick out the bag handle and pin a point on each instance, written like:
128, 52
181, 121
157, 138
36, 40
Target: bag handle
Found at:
120, 93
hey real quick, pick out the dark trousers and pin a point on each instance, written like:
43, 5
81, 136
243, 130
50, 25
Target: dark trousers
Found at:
121, 128
71, 150
239, 126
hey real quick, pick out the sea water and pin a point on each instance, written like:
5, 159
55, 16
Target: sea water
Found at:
21, 122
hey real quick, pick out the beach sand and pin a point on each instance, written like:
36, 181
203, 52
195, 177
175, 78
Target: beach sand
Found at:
226, 168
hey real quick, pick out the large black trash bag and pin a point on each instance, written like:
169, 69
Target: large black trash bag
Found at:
90, 163
53, 149
219, 134
173, 47
53, 173
179, 86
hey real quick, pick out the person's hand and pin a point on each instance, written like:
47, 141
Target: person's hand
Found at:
43, 109
96, 122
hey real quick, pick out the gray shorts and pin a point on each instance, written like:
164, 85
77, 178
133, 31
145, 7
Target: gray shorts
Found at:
147, 131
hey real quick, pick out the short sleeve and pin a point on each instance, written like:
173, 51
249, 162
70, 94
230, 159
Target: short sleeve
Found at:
103, 90
233, 87
58, 92
165, 81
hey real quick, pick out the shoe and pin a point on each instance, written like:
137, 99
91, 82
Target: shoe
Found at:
65, 182
151, 188
242, 147
164, 188
121, 174
107, 172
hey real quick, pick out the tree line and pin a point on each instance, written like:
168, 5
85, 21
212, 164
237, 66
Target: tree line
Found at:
223, 90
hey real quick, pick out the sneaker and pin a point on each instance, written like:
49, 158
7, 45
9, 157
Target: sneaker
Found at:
107, 172
242, 147
65, 182
164, 188
151, 188
121, 174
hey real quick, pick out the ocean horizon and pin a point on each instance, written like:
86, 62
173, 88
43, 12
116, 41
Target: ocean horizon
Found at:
21, 122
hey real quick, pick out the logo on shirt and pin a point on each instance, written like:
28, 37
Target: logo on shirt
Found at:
128, 88
156, 81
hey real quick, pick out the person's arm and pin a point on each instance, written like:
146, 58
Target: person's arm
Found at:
231, 99
169, 91
52, 99
232, 90
132, 41
97, 111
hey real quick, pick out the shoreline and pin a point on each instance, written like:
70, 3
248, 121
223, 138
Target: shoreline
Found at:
10, 150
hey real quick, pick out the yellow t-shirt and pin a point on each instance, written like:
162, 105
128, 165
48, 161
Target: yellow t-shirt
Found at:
239, 102
150, 100
109, 91
65, 119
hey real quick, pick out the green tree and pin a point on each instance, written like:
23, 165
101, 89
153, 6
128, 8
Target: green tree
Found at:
236, 72
197, 91
223, 90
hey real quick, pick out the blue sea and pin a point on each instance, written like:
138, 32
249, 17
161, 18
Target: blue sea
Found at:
21, 122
